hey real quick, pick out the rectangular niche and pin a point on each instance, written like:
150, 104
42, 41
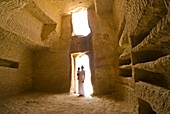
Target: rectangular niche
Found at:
145, 108
146, 56
124, 62
8, 63
154, 78
125, 71
46, 30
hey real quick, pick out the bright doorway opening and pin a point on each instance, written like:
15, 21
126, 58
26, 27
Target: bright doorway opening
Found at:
80, 23
78, 60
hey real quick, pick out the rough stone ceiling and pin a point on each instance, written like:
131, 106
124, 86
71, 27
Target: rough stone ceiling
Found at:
65, 6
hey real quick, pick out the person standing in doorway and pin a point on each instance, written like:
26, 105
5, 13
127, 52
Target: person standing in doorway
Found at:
78, 73
81, 81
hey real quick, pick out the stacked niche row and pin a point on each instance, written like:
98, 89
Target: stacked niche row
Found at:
125, 67
151, 57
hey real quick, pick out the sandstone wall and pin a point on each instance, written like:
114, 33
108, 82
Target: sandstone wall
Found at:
15, 80
50, 9
145, 62
136, 70
24, 28
52, 66
51, 71
80, 44
104, 48
123, 89
29, 27
14, 48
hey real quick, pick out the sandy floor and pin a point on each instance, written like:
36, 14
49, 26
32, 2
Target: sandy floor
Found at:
45, 103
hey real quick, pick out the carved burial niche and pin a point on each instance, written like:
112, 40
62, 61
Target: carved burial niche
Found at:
8, 63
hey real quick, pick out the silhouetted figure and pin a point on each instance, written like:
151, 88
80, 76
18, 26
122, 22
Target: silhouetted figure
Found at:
78, 73
81, 81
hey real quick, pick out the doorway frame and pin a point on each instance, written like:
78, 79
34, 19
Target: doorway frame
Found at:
74, 81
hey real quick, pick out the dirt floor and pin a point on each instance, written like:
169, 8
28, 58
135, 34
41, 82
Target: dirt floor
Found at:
46, 103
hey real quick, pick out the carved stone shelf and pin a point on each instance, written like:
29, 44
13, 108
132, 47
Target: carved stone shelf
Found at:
125, 57
146, 56
158, 39
125, 71
8, 63
161, 65
155, 72
156, 96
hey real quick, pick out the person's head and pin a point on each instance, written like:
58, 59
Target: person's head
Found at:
78, 68
82, 67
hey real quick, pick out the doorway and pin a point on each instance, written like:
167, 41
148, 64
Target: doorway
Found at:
78, 60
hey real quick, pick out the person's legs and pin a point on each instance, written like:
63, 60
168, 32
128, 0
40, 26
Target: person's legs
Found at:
81, 89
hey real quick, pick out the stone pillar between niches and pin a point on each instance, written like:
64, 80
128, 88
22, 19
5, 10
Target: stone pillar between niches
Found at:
104, 49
